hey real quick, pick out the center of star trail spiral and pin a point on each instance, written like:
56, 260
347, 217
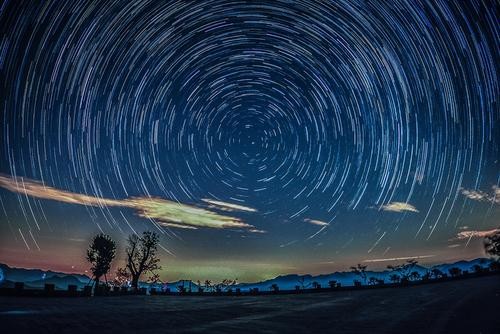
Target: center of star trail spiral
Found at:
375, 120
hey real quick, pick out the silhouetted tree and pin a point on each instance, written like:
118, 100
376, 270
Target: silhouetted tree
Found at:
302, 282
316, 285
360, 270
492, 244
122, 277
100, 254
372, 281
208, 285
404, 269
226, 285
274, 287
155, 280
141, 256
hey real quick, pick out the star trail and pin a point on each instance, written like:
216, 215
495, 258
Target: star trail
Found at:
264, 137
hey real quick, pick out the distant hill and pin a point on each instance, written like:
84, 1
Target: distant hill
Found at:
36, 278
61, 282
288, 282
464, 265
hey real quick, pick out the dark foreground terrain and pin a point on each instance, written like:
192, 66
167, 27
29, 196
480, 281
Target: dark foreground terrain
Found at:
464, 306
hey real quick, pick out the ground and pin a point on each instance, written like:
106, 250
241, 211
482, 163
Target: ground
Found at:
464, 306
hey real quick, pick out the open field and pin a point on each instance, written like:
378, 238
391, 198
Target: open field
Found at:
463, 306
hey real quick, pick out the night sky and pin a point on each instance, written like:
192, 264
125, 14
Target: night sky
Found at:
256, 137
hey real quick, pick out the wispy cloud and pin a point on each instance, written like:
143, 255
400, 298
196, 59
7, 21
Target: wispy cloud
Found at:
481, 196
224, 206
288, 243
476, 234
176, 215
254, 230
316, 222
36, 189
399, 207
165, 212
399, 258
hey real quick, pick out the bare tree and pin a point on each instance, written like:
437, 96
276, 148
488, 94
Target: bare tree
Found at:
226, 285
122, 277
492, 244
155, 280
404, 270
100, 254
302, 282
141, 256
360, 270
208, 285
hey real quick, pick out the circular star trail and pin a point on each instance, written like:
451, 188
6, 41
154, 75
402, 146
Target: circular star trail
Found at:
308, 112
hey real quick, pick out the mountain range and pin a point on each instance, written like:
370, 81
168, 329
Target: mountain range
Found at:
288, 282
36, 278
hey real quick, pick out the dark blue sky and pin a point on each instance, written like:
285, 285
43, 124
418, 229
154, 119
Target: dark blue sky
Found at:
297, 136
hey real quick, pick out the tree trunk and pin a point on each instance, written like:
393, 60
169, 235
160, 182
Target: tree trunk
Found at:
135, 282
96, 286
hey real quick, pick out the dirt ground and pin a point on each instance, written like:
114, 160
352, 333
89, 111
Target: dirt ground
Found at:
465, 306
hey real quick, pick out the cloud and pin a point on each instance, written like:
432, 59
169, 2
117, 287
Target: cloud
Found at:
400, 258
254, 230
474, 195
165, 212
476, 234
36, 189
224, 206
316, 222
288, 243
399, 207
175, 214
481, 196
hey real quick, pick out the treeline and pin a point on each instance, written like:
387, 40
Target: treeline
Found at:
141, 259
